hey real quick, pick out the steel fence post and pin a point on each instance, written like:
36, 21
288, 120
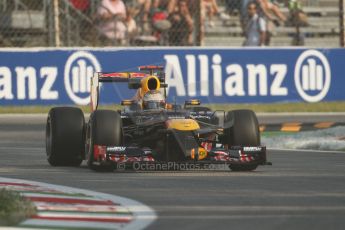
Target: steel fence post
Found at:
56, 23
342, 22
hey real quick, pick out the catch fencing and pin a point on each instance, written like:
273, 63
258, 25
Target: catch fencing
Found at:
78, 23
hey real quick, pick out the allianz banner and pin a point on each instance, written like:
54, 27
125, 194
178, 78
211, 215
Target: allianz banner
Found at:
62, 76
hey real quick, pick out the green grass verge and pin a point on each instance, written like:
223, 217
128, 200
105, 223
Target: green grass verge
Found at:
14, 208
338, 106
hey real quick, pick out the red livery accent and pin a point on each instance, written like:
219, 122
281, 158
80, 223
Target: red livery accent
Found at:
246, 158
90, 219
16, 184
207, 146
221, 153
99, 152
150, 67
124, 75
222, 158
69, 200
125, 159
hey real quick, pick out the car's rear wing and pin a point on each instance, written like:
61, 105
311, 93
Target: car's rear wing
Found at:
134, 79
119, 76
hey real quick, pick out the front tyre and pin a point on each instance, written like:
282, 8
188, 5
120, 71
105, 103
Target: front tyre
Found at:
65, 136
242, 130
105, 129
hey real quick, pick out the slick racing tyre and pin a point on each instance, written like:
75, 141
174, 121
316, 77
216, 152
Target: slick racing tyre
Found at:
242, 130
65, 136
104, 128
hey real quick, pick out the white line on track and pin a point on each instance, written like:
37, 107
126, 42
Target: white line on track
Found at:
250, 208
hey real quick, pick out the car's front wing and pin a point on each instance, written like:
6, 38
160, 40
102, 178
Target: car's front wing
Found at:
235, 155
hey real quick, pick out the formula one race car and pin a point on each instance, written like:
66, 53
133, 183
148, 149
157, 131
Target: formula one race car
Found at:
150, 131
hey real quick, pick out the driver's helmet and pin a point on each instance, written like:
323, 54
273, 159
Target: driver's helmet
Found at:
153, 99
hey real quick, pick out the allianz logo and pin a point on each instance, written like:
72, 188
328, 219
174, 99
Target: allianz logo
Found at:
208, 76
79, 69
312, 76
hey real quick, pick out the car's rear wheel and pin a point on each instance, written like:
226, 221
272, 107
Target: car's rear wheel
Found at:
242, 130
65, 136
105, 129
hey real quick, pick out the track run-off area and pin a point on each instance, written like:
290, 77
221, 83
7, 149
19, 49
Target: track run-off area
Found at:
303, 189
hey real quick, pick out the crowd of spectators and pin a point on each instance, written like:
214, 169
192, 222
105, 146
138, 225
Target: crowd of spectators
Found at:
143, 22
181, 22
151, 22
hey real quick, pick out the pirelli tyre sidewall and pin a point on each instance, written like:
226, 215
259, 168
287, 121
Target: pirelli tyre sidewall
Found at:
104, 128
242, 130
65, 136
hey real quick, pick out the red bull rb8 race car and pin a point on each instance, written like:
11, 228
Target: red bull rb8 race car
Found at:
149, 131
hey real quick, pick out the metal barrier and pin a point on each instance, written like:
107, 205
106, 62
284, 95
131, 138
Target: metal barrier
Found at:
54, 23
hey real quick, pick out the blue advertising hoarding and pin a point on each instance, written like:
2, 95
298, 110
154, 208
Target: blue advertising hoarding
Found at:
62, 76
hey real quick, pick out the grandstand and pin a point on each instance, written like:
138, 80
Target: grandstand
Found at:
323, 31
30, 23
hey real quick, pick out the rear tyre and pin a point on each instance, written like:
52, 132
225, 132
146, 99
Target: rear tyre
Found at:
104, 128
65, 136
242, 130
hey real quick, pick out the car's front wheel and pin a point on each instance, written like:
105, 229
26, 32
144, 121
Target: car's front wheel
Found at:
104, 129
242, 130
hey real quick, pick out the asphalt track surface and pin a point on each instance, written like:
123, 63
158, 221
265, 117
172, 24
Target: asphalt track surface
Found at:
302, 190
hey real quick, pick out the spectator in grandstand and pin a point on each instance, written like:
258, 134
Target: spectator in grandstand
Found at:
210, 8
82, 5
244, 13
164, 5
111, 15
132, 29
270, 7
159, 19
255, 31
233, 6
297, 18
143, 16
269, 10
266, 8
181, 30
